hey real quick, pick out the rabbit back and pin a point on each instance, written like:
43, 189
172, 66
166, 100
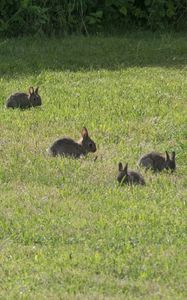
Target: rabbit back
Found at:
66, 147
153, 160
134, 178
18, 100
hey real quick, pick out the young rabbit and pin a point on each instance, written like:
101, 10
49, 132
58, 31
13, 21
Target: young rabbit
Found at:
23, 100
157, 162
69, 147
129, 177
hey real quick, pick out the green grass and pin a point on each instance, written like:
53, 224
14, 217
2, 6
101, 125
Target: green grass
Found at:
67, 230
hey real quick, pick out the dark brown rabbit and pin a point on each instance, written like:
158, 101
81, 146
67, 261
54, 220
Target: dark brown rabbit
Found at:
129, 177
69, 147
157, 162
23, 100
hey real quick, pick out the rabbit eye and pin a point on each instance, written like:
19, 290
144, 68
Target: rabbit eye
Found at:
90, 145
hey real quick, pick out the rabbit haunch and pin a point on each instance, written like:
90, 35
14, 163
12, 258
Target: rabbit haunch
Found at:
157, 162
129, 177
23, 100
69, 147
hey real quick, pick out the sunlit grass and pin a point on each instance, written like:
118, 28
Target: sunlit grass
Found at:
68, 231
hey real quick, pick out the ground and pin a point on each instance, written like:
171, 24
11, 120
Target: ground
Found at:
67, 230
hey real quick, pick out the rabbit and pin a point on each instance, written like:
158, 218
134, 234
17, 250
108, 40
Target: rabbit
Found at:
157, 162
68, 147
23, 100
129, 177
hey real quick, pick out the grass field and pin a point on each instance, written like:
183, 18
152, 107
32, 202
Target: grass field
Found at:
67, 230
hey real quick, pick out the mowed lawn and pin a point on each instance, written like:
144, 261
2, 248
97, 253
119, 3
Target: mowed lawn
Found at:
67, 230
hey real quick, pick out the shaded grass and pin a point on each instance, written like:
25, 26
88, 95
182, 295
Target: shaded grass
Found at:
32, 56
67, 230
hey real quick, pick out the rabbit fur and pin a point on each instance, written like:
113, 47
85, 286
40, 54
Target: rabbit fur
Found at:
68, 147
23, 100
129, 177
157, 162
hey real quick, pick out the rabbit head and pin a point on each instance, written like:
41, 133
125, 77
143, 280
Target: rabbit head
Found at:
170, 162
86, 142
123, 172
34, 97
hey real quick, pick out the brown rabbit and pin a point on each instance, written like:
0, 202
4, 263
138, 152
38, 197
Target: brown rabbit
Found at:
157, 162
23, 100
129, 177
69, 147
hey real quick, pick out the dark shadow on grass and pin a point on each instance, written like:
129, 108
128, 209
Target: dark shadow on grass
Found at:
28, 55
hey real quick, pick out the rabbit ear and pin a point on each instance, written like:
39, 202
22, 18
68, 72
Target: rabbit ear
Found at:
126, 168
167, 156
31, 90
36, 90
173, 155
120, 167
84, 132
